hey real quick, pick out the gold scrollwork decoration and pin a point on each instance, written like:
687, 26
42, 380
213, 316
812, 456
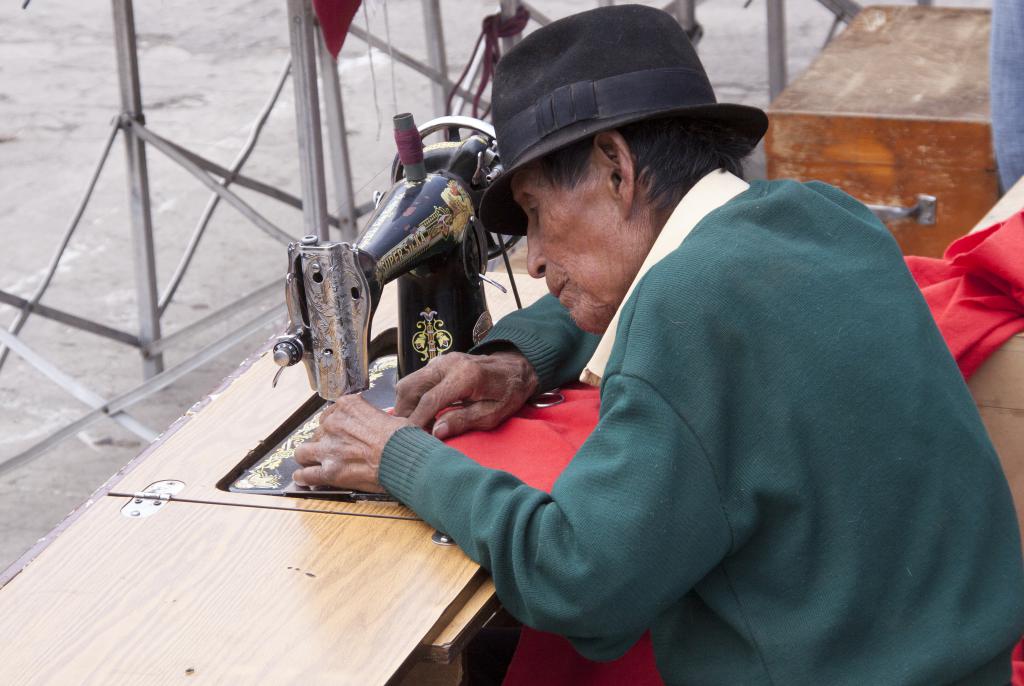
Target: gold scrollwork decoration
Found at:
431, 338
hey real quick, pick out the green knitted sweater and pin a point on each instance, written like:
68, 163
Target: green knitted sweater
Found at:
789, 482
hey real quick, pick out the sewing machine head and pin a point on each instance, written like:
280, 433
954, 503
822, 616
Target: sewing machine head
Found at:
424, 233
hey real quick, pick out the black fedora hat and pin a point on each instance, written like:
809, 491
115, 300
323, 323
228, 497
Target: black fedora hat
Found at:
590, 72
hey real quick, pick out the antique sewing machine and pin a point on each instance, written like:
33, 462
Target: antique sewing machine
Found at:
425, 235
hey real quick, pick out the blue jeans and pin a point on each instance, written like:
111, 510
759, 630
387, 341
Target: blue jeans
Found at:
1007, 83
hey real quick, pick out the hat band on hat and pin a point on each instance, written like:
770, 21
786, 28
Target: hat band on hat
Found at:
622, 94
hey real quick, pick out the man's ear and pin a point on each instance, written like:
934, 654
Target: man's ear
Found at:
614, 162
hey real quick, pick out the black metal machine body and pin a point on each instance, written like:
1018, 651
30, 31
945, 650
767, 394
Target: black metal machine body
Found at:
424, 233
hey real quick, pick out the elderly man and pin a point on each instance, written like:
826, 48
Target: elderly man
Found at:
788, 482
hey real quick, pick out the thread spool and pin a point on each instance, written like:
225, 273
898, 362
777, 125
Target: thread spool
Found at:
410, 147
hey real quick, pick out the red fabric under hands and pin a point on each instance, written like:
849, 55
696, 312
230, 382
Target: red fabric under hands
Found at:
536, 445
976, 291
1017, 662
335, 16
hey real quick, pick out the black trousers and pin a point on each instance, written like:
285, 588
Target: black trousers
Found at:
488, 655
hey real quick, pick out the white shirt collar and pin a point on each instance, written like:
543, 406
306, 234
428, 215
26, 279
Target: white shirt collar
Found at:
707, 195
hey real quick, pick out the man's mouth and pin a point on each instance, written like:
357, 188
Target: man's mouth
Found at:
557, 290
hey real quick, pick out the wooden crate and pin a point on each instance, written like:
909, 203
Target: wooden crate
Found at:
895, 107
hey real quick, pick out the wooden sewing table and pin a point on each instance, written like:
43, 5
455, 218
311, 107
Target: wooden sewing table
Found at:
218, 587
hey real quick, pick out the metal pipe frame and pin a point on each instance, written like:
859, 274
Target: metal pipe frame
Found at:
69, 319
216, 317
337, 136
132, 123
156, 383
508, 10
187, 161
844, 10
307, 118
214, 201
27, 306
138, 182
73, 387
776, 16
686, 14
409, 61
543, 19
238, 179
436, 56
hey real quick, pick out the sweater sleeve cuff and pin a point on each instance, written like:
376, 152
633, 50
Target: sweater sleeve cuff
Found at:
403, 461
540, 354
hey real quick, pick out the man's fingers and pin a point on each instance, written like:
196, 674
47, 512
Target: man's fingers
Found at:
472, 417
410, 389
310, 476
306, 454
452, 389
457, 373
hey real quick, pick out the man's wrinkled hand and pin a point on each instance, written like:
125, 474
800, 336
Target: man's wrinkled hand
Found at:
345, 451
488, 388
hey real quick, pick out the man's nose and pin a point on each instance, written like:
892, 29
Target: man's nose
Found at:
535, 262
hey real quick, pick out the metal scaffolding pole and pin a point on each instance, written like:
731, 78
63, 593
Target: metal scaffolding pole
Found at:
32, 304
307, 118
508, 10
409, 61
436, 57
118, 404
337, 140
236, 167
77, 390
543, 19
191, 163
776, 47
686, 14
138, 183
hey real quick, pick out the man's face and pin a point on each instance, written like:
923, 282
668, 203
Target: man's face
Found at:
580, 243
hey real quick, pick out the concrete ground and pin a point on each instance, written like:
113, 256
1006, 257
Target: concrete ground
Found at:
207, 69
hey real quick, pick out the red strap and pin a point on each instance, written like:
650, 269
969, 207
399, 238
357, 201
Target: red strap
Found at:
493, 28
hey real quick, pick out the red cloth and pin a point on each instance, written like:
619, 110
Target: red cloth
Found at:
976, 292
1017, 662
335, 16
536, 445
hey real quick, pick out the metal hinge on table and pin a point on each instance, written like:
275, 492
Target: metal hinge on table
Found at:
150, 501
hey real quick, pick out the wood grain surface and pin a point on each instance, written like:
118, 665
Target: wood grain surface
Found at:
890, 162
895, 107
450, 641
900, 62
221, 587
228, 595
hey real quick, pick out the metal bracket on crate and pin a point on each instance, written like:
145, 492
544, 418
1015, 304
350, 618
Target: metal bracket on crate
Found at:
923, 211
